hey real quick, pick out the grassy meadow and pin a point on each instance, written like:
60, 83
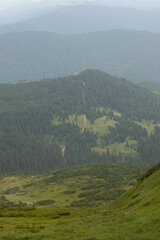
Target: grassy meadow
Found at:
135, 215
89, 185
100, 127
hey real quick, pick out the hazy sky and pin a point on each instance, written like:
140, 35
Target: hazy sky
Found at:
6, 4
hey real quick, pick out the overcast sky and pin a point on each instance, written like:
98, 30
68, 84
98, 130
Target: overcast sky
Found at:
6, 4
13, 10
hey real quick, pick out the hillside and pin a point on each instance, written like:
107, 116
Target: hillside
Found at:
146, 193
135, 215
89, 185
90, 117
134, 55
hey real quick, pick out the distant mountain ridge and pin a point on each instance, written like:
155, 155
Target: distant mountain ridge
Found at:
34, 55
88, 18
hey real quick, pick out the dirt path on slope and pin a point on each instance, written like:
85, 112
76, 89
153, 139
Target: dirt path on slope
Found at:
84, 94
84, 123
63, 150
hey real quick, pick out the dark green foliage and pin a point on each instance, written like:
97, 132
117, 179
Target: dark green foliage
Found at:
124, 129
46, 202
149, 172
31, 142
129, 99
69, 191
4, 201
149, 148
11, 190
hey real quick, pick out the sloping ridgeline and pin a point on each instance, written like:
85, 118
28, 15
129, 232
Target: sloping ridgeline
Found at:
34, 125
143, 199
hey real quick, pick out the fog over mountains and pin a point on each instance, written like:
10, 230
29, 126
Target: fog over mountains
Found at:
88, 17
16, 10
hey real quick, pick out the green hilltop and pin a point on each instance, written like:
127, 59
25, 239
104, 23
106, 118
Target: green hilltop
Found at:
91, 117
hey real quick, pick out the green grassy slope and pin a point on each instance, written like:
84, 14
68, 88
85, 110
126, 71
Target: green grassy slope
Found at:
135, 215
145, 193
89, 185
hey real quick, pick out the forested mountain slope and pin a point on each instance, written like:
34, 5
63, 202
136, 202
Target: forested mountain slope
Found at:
34, 55
153, 86
86, 118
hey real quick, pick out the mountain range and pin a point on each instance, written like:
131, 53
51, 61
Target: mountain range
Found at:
46, 39
82, 17
134, 55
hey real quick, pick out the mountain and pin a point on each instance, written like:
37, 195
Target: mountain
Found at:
31, 56
89, 117
82, 17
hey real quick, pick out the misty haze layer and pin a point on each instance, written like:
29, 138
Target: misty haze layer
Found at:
88, 18
19, 10
36, 53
